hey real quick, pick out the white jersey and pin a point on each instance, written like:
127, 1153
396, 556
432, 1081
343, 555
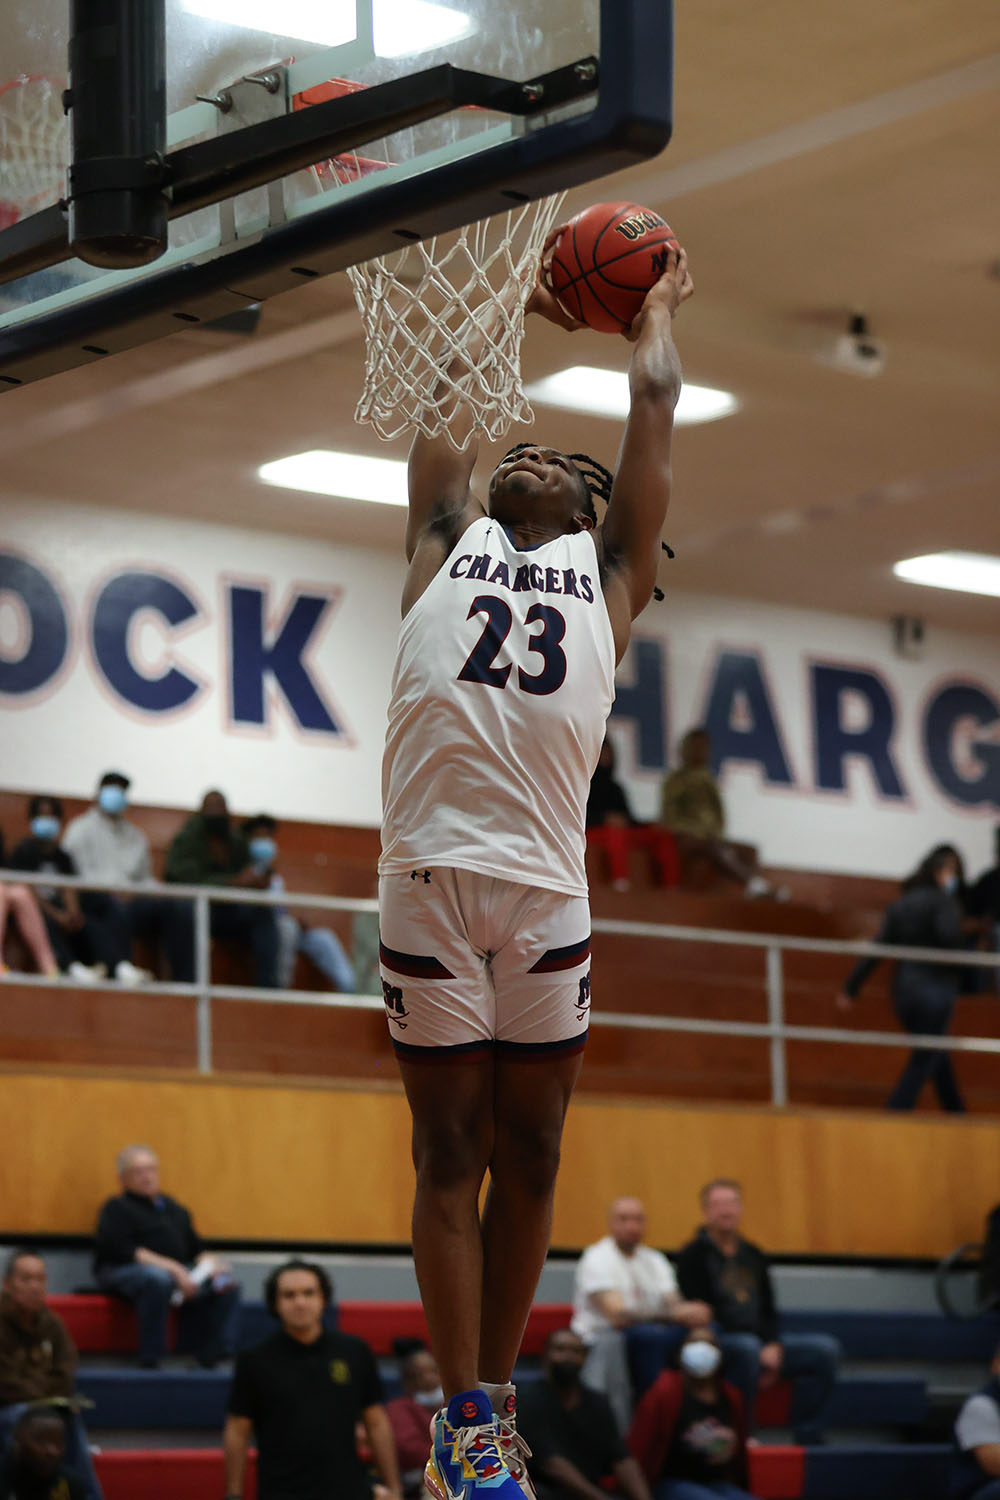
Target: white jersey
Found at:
504, 680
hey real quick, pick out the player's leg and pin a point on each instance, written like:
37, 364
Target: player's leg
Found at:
439, 1005
541, 977
452, 1107
529, 1108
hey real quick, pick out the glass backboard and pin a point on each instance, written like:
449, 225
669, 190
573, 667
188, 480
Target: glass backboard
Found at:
435, 175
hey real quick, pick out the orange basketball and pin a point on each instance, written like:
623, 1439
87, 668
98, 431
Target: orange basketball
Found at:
606, 260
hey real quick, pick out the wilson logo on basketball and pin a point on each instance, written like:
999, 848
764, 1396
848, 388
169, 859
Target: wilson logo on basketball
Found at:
631, 229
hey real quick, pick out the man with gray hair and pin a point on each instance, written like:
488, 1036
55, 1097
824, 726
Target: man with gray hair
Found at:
621, 1285
148, 1251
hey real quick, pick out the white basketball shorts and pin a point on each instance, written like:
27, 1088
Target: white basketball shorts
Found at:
471, 964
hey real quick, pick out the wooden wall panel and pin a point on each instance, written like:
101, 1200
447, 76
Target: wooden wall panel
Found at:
265, 1161
121, 1028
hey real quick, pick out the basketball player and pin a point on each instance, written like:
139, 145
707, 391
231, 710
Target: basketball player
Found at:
515, 614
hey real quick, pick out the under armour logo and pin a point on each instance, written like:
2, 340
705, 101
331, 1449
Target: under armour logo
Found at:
424, 875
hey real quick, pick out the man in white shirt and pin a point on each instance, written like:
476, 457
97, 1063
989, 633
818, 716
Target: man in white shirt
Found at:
620, 1285
975, 1467
104, 845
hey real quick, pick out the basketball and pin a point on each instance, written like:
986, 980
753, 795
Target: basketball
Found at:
606, 260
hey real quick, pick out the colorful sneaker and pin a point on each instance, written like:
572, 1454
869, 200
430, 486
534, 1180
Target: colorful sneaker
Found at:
513, 1448
465, 1459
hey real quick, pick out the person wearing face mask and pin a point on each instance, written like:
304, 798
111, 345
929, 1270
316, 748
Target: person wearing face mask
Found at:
689, 1432
410, 1418
576, 1447
210, 850
296, 932
105, 845
60, 907
926, 914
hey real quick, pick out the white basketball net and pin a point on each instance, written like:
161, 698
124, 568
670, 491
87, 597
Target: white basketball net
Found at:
424, 305
34, 146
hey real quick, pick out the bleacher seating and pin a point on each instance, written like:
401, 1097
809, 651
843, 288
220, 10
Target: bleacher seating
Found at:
109, 1028
859, 1463
862, 1472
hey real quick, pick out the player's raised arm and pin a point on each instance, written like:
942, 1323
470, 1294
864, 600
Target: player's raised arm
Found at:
439, 473
638, 506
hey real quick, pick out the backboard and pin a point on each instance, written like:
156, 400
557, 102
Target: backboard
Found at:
604, 101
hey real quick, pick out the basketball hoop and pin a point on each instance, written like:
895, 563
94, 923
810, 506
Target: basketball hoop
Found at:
421, 305
34, 145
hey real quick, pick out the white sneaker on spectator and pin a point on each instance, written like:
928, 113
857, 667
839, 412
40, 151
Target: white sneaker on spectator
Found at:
85, 973
129, 973
756, 887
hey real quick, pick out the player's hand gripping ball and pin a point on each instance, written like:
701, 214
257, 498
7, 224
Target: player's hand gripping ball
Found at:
602, 263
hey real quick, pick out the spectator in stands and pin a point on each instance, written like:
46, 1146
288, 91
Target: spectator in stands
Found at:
104, 845
926, 914
410, 1418
64, 921
210, 850
732, 1275
301, 1393
983, 901
621, 1287
38, 1360
689, 1433
975, 1471
612, 827
576, 1446
20, 900
296, 934
691, 807
148, 1251
36, 1467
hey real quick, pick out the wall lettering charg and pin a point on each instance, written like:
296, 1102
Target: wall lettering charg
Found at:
194, 655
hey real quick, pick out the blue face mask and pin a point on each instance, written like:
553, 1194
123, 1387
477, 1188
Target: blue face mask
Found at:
112, 799
950, 883
45, 826
262, 850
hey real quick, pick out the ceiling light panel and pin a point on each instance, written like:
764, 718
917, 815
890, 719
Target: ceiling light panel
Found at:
605, 393
347, 476
967, 572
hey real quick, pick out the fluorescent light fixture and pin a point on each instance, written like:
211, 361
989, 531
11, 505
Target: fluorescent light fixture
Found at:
604, 393
349, 476
329, 24
968, 572
405, 26
400, 26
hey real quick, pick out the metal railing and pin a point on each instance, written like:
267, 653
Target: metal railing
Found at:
775, 1030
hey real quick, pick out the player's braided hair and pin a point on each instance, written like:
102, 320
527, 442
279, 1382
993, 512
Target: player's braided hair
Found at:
597, 481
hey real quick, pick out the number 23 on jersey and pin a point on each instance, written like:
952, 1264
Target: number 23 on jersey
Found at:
549, 673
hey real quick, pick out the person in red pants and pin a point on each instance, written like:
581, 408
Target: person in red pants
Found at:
611, 826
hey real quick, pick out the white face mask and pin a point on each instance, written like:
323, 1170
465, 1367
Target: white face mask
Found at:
700, 1359
431, 1399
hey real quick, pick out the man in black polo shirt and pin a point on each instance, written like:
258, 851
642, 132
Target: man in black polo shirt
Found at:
572, 1432
302, 1394
148, 1251
733, 1276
